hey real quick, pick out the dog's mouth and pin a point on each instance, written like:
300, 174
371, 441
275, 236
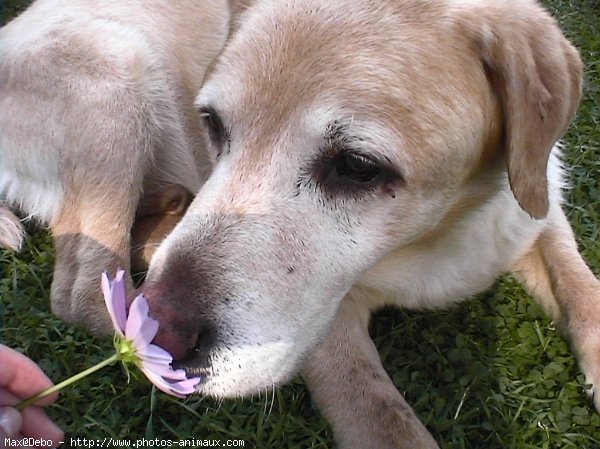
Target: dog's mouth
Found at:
234, 368
197, 361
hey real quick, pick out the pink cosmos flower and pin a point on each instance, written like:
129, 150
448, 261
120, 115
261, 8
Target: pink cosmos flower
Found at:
134, 332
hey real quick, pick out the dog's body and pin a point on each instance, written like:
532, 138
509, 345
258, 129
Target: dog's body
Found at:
95, 111
370, 153
365, 153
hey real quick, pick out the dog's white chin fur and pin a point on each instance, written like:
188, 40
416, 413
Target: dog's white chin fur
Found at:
243, 371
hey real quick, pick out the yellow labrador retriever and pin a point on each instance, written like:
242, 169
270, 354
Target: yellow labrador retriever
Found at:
369, 153
364, 153
96, 117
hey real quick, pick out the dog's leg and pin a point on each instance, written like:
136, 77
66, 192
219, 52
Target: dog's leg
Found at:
558, 278
91, 235
353, 391
102, 180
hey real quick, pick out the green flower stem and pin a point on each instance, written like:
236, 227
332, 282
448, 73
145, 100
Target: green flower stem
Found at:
32, 400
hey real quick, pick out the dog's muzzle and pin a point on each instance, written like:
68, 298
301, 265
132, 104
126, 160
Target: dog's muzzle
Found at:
184, 331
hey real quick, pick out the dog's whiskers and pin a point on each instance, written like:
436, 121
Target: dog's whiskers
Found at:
272, 399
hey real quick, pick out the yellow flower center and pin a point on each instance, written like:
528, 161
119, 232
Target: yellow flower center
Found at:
126, 351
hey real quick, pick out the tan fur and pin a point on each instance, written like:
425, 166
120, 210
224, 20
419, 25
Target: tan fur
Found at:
96, 108
157, 215
280, 274
522, 62
467, 98
536, 74
353, 391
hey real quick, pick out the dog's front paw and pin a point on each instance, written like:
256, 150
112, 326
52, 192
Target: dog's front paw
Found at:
76, 294
588, 353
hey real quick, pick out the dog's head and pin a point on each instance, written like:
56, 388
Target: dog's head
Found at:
341, 130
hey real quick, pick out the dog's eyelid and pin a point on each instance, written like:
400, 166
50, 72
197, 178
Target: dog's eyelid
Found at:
209, 112
219, 134
389, 167
351, 169
389, 170
206, 108
343, 135
389, 173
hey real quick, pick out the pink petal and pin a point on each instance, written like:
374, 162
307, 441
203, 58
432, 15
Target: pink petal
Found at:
176, 374
118, 297
163, 376
185, 387
115, 316
161, 383
164, 370
140, 327
156, 354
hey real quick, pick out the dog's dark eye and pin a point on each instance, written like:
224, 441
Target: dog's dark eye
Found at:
349, 172
213, 125
356, 167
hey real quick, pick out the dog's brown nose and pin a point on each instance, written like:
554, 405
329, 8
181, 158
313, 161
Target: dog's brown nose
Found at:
175, 334
182, 331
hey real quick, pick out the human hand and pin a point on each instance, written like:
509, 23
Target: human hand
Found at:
21, 378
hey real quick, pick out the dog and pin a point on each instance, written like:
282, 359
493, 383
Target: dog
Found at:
349, 172
98, 131
365, 154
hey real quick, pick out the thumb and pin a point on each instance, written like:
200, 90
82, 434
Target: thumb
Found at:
10, 422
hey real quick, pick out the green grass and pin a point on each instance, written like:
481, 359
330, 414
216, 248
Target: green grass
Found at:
490, 373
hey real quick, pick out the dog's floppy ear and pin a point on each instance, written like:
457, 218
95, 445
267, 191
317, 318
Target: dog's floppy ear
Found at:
537, 75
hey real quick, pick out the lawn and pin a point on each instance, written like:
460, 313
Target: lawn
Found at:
490, 373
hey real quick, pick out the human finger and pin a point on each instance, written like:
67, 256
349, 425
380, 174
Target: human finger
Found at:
21, 376
11, 422
37, 424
